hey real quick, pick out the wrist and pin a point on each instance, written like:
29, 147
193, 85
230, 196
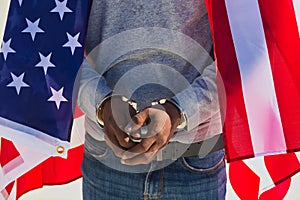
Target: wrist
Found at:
100, 106
175, 112
99, 110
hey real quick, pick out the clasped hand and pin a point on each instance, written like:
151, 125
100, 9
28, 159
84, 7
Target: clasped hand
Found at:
121, 120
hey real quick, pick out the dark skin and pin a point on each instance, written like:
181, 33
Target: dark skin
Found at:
119, 117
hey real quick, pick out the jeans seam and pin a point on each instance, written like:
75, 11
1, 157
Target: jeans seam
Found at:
148, 196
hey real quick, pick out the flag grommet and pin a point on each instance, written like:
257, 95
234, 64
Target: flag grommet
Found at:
60, 149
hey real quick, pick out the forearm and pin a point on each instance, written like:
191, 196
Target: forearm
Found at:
200, 101
92, 90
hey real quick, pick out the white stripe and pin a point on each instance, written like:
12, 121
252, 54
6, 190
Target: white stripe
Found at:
12, 164
298, 156
297, 13
257, 81
33, 138
4, 6
78, 132
293, 192
4, 194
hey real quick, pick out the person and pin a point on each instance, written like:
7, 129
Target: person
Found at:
148, 90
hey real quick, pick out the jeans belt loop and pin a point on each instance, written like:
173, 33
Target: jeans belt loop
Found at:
159, 156
174, 151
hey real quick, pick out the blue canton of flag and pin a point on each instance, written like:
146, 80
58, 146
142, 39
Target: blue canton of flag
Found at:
40, 56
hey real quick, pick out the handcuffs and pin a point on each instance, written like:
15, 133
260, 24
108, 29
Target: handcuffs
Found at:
143, 130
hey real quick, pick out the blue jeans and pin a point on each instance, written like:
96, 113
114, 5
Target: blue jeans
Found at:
187, 178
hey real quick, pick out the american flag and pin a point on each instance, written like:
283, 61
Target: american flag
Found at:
40, 56
257, 48
260, 70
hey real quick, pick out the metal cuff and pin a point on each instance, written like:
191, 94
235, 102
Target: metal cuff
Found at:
99, 107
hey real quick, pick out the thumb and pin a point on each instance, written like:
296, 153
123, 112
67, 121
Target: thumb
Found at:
137, 121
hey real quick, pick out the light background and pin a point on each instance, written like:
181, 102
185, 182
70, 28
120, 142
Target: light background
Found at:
4, 5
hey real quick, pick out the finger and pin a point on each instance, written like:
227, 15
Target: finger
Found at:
151, 144
157, 126
136, 136
158, 134
122, 138
140, 148
137, 121
144, 158
159, 120
113, 144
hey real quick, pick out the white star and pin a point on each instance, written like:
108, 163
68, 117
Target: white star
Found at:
73, 42
20, 2
33, 28
17, 82
61, 8
5, 49
57, 97
45, 62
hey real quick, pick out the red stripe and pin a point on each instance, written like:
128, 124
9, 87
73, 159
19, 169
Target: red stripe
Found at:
9, 188
54, 171
77, 112
62, 171
236, 129
9, 153
276, 163
278, 192
280, 26
244, 181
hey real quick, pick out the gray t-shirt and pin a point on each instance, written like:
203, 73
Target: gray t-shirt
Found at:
149, 50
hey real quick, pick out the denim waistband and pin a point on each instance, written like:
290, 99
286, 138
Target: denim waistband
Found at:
172, 151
